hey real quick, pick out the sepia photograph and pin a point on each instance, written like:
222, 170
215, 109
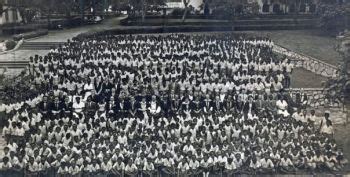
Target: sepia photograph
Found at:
174, 88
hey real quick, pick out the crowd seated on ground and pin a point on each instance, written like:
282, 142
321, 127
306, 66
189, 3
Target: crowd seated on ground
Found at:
164, 105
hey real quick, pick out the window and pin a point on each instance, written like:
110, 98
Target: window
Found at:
276, 8
266, 8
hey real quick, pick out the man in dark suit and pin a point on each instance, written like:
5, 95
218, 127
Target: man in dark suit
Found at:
121, 107
218, 106
67, 107
132, 106
90, 107
185, 105
44, 106
250, 106
195, 106
56, 108
164, 105
207, 104
175, 104
94, 97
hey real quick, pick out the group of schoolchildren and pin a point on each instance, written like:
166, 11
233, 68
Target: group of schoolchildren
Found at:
165, 105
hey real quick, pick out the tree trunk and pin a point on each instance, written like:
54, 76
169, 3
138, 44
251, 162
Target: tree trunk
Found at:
143, 12
184, 15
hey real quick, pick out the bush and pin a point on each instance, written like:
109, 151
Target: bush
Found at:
178, 12
333, 18
10, 45
152, 29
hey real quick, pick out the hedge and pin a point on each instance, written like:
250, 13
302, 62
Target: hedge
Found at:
32, 34
189, 28
153, 29
240, 17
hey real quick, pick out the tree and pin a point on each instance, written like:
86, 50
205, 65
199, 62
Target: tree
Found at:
185, 2
226, 8
338, 87
66, 7
334, 17
2, 2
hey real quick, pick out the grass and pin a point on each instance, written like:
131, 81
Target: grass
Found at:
309, 42
302, 78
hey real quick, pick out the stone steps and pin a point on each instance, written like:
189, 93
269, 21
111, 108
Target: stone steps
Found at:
39, 45
14, 64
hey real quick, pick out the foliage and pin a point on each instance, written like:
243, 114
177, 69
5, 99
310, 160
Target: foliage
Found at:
10, 44
333, 17
338, 87
178, 12
16, 88
252, 8
2, 2
227, 8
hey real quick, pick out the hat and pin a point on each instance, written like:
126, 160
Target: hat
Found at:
327, 112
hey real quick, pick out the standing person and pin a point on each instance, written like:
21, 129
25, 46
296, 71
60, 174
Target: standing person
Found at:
326, 125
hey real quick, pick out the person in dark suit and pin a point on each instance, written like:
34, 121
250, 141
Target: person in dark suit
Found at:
132, 106
67, 107
56, 108
185, 104
90, 107
164, 105
218, 106
175, 104
121, 107
143, 108
44, 106
195, 106
239, 104
207, 104
250, 106
230, 104
94, 97
111, 108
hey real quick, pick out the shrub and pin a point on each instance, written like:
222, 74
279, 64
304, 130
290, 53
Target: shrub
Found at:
178, 12
333, 18
10, 44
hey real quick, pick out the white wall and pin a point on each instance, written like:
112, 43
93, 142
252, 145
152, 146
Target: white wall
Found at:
1, 20
196, 3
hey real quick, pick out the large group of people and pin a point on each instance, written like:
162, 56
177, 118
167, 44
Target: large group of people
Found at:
186, 105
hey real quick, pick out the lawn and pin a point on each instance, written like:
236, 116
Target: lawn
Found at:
309, 42
302, 78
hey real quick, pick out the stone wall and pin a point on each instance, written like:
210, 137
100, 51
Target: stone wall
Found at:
307, 62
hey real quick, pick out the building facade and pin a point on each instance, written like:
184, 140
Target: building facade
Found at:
9, 12
287, 6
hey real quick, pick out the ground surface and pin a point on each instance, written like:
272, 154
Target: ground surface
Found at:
302, 78
309, 42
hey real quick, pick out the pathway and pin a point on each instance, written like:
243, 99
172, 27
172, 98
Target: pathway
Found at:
58, 36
